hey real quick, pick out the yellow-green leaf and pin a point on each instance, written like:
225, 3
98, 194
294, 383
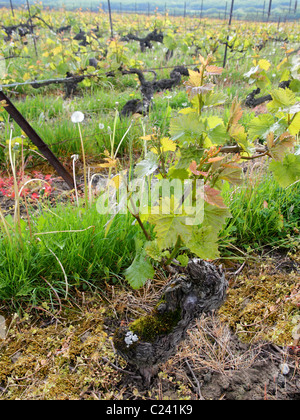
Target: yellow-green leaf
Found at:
282, 98
264, 64
168, 145
294, 127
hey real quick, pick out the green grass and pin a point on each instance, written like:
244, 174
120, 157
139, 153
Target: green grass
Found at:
53, 253
87, 257
262, 214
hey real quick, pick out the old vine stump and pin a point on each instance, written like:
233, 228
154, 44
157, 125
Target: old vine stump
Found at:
153, 339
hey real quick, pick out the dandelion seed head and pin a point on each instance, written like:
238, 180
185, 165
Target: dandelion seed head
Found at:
77, 117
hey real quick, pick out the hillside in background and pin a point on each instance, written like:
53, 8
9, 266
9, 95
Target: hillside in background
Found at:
242, 8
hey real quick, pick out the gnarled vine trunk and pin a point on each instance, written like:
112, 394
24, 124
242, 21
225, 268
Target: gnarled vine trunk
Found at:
153, 339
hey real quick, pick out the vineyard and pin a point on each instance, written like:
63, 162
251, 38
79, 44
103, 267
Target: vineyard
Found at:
149, 206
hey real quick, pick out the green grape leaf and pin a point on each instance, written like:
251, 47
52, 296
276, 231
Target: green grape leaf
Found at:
215, 217
288, 171
204, 243
295, 85
282, 98
186, 128
261, 126
218, 134
278, 147
153, 251
141, 269
294, 127
183, 260
213, 99
187, 155
168, 225
175, 173
170, 42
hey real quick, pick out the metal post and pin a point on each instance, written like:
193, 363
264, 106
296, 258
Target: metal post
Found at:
31, 27
36, 140
110, 19
229, 24
269, 10
12, 8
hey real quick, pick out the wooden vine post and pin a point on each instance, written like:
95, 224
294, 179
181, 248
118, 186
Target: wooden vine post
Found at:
36, 140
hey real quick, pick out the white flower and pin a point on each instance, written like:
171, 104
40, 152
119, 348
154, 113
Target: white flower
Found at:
75, 157
101, 126
77, 117
130, 338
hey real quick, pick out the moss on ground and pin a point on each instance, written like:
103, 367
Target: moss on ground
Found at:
72, 359
69, 360
260, 303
